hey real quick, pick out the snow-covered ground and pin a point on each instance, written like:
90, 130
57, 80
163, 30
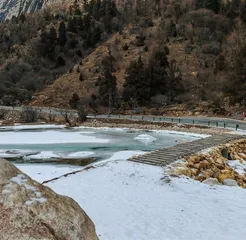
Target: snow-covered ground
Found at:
46, 171
131, 201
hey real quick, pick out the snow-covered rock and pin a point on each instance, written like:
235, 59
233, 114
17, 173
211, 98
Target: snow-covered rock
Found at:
230, 182
30, 210
10, 8
145, 138
211, 181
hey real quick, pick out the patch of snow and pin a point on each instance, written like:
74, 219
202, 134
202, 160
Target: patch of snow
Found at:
42, 155
34, 200
145, 138
123, 155
15, 153
20, 179
32, 127
78, 155
236, 165
207, 150
188, 134
104, 128
47, 137
42, 172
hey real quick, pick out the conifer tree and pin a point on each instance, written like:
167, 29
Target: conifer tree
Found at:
62, 37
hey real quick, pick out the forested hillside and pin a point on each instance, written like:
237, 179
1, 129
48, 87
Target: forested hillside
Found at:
127, 55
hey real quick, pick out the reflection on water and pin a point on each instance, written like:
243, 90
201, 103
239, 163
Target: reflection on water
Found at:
59, 153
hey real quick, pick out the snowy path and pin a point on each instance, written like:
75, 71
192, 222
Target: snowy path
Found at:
128, 201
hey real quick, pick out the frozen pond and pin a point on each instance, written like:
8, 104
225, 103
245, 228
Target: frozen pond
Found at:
81, 146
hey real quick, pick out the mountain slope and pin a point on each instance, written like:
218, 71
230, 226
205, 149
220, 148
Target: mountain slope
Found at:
60, 92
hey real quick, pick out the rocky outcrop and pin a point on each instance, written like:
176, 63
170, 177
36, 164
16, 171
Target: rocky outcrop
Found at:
213, 166
10, 8
31, 211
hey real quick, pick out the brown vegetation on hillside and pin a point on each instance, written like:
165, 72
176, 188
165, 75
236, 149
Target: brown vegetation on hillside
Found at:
163, 54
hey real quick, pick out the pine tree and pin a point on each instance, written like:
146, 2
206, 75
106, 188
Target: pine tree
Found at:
235, 86
158, 73
80, 24
71, 25
108, 84
81, 77
96, 10
95, 36
87, 22
136, 86
214, 5
174, 81
62, 38
85, 5
77, 11
52, 35
243, 12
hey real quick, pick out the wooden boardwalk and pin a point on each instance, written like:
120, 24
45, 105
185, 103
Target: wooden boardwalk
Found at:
166, 156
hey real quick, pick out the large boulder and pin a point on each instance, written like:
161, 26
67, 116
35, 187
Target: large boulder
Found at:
32, 211
230, 182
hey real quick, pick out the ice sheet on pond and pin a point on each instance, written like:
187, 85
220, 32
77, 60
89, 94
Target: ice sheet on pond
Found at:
84, 143
32, 127
48, 137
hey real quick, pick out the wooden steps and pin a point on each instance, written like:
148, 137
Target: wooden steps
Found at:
166, 156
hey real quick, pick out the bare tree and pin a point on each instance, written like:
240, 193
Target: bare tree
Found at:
2, 113
82, 114
67, 115
29, 115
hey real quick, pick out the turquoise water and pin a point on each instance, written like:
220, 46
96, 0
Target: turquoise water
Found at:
119, 140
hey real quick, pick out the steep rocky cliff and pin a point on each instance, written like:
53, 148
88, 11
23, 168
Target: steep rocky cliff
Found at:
10, 8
